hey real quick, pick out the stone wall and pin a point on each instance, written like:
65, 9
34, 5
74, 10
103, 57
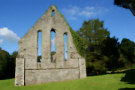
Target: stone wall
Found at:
46, 71
42, 76
19, 75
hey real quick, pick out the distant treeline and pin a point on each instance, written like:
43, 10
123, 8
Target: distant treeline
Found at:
102, 52
7, 64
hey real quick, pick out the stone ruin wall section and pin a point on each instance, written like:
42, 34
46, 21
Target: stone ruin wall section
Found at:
46, 71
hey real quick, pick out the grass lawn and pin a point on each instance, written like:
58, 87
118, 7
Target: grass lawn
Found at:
102, 82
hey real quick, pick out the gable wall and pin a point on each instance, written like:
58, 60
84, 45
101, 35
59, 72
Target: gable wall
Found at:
28, 48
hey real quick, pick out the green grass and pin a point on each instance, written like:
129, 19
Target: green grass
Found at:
102, 82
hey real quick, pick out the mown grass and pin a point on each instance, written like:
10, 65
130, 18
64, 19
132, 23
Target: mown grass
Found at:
101, 82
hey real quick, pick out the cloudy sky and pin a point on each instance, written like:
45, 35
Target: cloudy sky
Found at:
18, 16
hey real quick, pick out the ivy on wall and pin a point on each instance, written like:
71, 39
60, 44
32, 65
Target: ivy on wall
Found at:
77, 40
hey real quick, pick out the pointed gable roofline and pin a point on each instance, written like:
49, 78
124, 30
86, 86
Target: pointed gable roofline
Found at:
77, 40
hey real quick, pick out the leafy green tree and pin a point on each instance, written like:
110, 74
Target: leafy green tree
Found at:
11, 64
127, 48
128, 4
7, 64
110, 48
14, 54
93, 33
4, 57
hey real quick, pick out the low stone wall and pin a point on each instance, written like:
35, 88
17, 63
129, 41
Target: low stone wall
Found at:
51, 75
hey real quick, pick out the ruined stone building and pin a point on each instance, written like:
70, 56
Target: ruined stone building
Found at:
30, 70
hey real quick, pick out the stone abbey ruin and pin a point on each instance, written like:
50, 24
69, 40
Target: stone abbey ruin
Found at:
50, 68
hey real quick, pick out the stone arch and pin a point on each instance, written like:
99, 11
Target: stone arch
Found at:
66, 45
39, 46
53, 44
53, 13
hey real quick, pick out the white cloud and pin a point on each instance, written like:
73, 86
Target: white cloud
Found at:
86, 13
9, 35
89, 8
1, 41
73, 10
89, 11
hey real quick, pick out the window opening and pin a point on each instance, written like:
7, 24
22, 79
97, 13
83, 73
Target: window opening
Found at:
65, 43
53, 13
53, 46
39, 59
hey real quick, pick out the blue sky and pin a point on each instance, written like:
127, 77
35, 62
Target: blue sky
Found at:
18, 16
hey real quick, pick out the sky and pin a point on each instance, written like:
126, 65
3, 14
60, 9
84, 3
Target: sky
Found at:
18, 16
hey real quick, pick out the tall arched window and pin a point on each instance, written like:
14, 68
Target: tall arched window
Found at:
39, 59
53, 13
53, 46
66, 44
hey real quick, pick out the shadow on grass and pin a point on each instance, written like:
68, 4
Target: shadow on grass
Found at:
129, 77
127, 89
95, 74
4, 77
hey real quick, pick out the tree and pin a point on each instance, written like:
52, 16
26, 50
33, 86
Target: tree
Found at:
93, 33
128, 4
127, 48
110, 48
11, 64
7, 64
4, 57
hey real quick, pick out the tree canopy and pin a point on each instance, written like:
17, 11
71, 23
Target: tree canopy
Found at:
127, 48
7, 64
93, 33
103, 52
128, 4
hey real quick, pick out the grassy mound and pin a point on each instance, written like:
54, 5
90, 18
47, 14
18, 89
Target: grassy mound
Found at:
102, 82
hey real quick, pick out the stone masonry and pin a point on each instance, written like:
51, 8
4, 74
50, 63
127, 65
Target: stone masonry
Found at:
29, 71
